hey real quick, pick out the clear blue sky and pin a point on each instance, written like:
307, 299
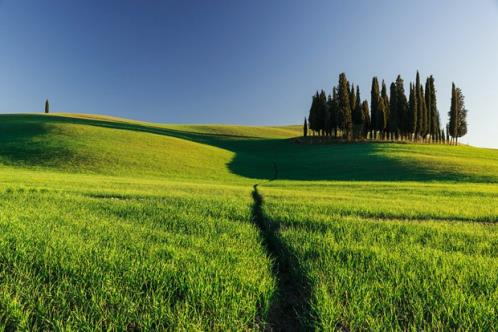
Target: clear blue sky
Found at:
247, 62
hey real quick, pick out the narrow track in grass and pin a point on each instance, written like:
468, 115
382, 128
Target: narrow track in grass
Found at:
289, 309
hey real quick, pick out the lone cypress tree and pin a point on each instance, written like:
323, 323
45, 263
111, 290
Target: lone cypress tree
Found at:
374, 103
47, 107
305, 128
345, 107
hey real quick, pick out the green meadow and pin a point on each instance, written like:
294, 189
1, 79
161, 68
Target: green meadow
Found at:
112, 224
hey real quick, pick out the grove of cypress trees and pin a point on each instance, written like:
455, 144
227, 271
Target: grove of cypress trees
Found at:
392, 114
346, 123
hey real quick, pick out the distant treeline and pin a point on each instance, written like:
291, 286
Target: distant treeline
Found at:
392, 116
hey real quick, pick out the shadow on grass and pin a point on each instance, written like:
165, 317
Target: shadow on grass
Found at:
289, 310
253, 156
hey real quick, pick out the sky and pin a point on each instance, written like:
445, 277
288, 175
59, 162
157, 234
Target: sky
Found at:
252, 62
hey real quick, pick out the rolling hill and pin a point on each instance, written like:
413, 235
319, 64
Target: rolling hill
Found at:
116, 224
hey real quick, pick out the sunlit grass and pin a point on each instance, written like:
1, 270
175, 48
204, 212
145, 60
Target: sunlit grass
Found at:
383, 256
114, 224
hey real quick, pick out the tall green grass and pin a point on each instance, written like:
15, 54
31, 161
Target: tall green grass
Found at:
392, 257
114, 224
183, 258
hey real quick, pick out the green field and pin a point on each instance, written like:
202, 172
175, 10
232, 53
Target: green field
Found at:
111, 224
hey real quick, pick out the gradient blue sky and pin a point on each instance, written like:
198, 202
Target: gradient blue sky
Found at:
247, 62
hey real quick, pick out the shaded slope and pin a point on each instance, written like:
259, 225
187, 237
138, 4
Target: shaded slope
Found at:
99, 144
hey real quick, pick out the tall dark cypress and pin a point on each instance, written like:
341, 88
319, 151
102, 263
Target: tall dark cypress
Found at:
366, 117
385, 97
334, 116
402, 106
323, 111
47, 107
374, 103
434, 113
358, 98
352, 98
313, 116
423, 112
412, 108
345, 107
393, 121
457, 126
382, 114
305, 128
418, 98
428, 107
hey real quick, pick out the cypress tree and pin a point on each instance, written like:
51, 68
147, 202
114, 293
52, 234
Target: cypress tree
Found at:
428, 106
374, 102
402, 106
419, 110
412, 108
385, 97
366, 117
334, 111
313, 115
393, 122
434, 113
322, 111
358, 97
47, 107
458, 114
345, 107
382, 114
423, 112
352, 98
305, 128
358, 117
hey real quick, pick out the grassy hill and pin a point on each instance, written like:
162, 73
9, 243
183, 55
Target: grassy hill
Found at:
111, 146
116, 224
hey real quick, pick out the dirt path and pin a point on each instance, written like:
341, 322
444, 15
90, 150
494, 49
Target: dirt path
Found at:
289, 309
